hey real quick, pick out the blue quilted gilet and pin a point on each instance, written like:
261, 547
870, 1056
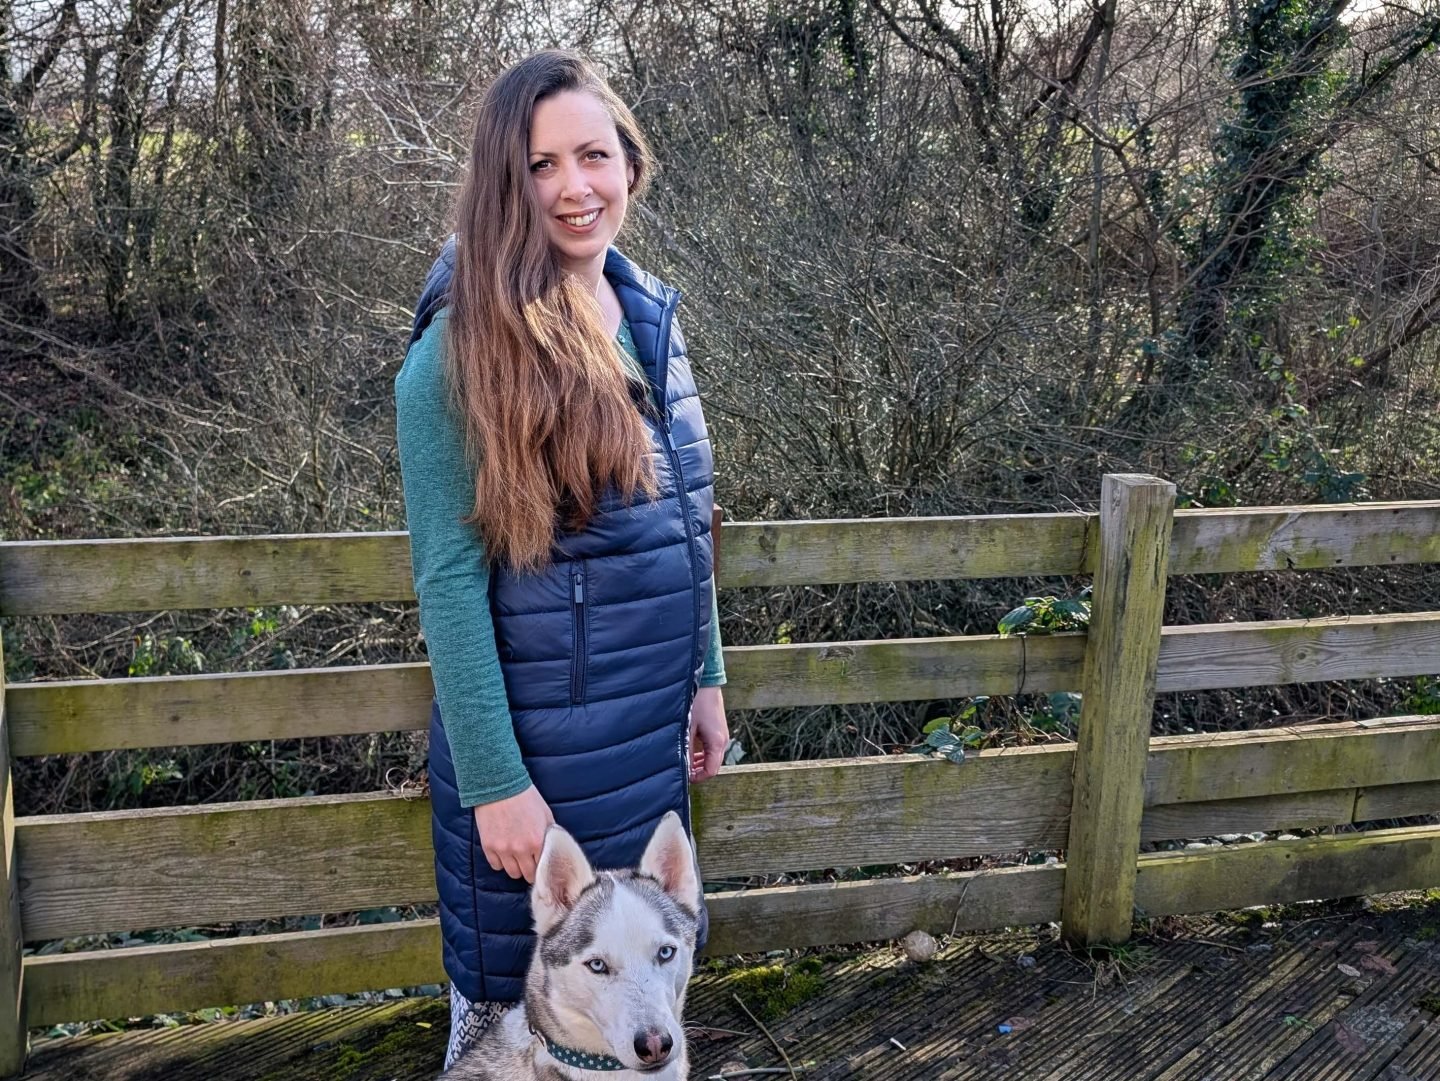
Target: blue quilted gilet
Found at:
601, 653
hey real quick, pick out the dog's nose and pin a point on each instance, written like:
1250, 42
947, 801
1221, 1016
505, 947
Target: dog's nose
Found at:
653, 1046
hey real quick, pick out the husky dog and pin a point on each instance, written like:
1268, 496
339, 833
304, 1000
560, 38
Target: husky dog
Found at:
606, 986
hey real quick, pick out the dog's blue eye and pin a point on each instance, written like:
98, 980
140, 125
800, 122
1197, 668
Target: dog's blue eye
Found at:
666, 953
597, 966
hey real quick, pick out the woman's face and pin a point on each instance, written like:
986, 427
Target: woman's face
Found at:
581, 178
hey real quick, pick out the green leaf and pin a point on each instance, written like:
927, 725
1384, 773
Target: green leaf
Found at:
1016, 618
935, 725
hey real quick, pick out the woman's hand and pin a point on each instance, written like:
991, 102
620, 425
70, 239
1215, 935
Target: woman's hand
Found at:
709, 734
512, 832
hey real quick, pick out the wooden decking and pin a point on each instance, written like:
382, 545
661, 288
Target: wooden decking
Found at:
1338, 996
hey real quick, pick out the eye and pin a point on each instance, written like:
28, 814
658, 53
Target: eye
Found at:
535, 168
597, 966
597, 154
667, 953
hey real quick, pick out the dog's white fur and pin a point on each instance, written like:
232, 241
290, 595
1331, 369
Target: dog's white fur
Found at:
638, 927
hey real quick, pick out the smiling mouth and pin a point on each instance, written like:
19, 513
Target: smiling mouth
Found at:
579, 221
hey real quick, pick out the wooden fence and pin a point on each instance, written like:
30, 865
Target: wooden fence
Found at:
83, 874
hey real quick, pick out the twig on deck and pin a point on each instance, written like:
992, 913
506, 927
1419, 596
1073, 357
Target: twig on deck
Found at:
788, 1065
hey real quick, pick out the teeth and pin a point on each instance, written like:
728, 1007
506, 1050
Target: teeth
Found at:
583, 220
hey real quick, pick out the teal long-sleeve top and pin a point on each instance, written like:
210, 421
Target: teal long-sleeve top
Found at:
452, 575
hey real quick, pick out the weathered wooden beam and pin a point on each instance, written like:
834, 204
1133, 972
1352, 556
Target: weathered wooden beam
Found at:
1108, 799
1397, 801
141, 980
1209, 818
1280, 872
70, 716
85, 715
826, 552
58, 577
1298, 758
156, 979
181, 866
769, 819
178, 866
833, 913
1312, 537
155, 574
1215, 655
12, 970
899, 670
91, 715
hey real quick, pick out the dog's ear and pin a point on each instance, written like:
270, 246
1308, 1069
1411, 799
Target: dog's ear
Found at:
671, 861
561, 876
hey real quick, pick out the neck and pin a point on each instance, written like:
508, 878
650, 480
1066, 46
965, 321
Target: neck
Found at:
590, 272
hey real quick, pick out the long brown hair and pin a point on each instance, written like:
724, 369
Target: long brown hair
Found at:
546, 409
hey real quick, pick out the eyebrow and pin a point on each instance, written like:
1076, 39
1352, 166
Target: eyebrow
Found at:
579, 149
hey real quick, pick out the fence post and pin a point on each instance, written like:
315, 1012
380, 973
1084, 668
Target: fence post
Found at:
12, 973
1118, 694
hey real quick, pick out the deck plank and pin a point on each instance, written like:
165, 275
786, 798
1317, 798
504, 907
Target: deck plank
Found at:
1229, 999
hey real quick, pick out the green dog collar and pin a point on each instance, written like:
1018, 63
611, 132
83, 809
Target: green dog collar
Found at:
581, 1060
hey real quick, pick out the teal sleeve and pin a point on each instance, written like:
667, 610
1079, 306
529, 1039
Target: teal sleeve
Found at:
713, 674
452, 580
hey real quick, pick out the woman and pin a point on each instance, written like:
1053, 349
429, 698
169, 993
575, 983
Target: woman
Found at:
558, 489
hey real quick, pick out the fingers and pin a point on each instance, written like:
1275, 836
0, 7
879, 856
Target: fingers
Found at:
512, 833
705, 760
519, 863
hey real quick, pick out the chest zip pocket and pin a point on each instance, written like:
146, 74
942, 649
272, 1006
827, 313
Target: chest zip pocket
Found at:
580, 652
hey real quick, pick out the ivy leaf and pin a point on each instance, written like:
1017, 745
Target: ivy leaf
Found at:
1016, 618
935, 725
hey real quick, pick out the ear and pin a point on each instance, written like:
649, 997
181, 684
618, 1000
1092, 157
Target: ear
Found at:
670, 860
629, 176
561, 876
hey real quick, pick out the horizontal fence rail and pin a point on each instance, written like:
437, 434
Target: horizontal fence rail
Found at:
181, 866
60, 577
130, 982
167, 711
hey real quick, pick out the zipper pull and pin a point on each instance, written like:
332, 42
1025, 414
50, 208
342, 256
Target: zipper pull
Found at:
579, 588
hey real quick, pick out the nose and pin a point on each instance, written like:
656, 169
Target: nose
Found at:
653, 1046
577, 187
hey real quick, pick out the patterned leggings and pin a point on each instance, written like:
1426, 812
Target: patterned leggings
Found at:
468, 1022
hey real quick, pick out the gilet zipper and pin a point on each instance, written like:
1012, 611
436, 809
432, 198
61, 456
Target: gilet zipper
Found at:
579, 656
